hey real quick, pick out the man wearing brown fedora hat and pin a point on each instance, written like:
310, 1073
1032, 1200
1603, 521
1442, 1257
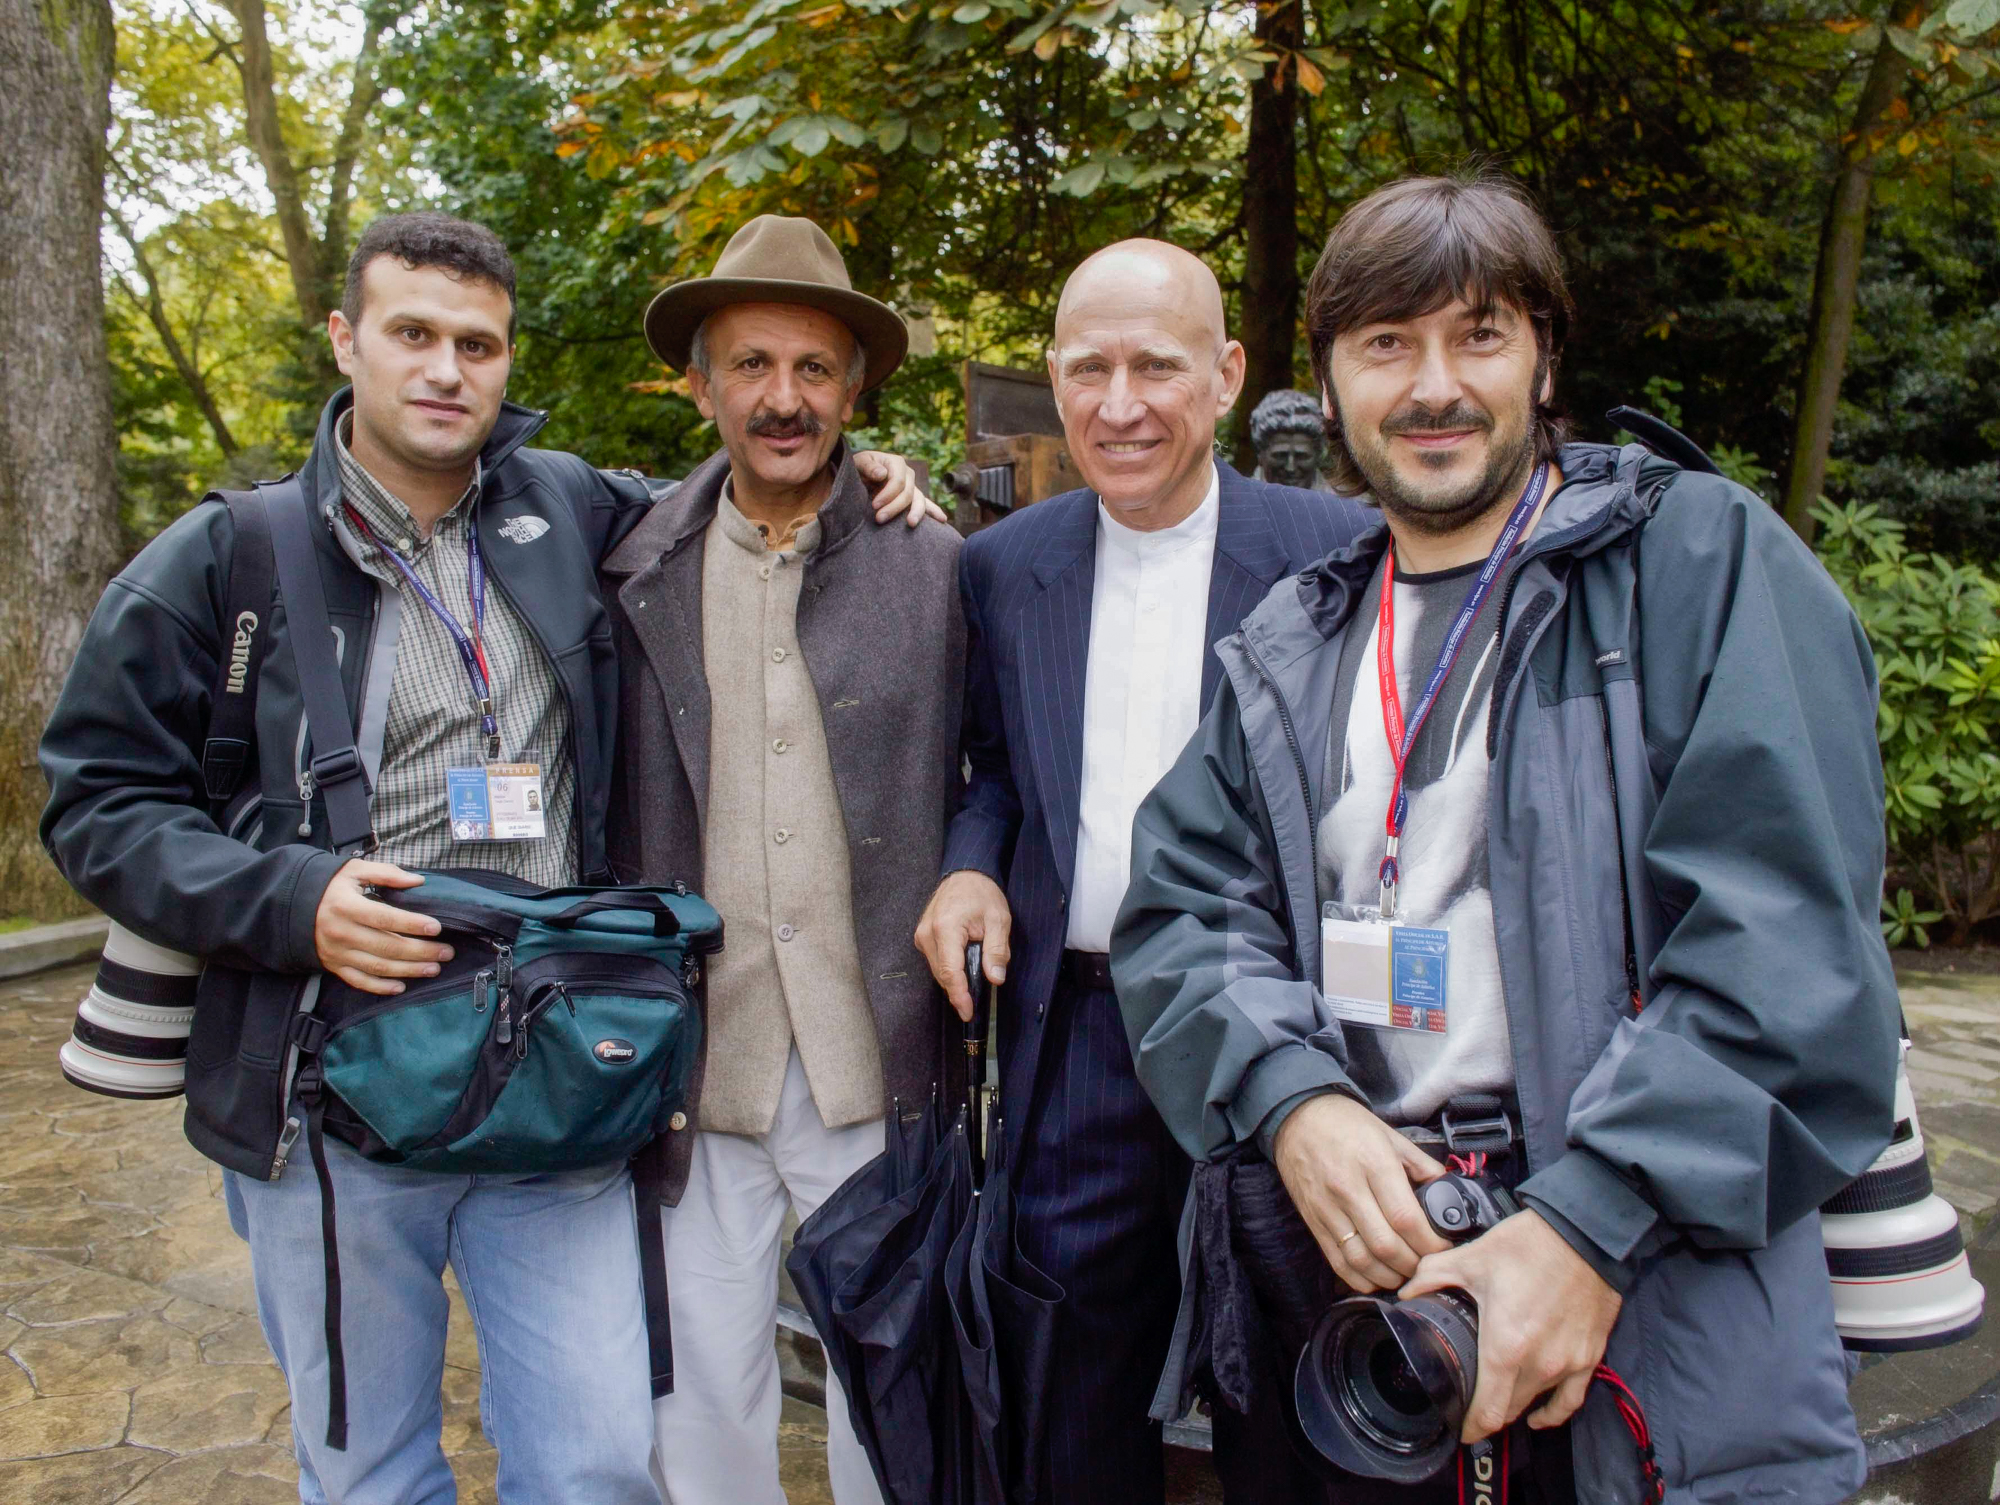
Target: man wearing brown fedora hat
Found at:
792, 753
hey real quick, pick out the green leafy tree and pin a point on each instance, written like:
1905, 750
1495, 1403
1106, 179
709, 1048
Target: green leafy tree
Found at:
1918, 428
1926, 72
244, 142
476, 91
950, 151
966, 156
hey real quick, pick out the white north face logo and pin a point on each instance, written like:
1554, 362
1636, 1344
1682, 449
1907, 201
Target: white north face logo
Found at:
523, 529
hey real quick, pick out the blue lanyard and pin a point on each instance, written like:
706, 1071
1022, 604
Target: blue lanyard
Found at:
471, 649
1403, 737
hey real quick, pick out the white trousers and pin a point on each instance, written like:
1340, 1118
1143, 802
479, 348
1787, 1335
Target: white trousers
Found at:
718, 1431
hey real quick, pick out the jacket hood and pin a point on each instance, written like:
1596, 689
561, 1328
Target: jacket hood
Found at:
320, 475
1597, 504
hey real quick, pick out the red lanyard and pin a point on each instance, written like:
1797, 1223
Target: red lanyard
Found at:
1401, 737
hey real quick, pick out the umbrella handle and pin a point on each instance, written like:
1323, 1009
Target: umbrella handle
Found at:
974, 1037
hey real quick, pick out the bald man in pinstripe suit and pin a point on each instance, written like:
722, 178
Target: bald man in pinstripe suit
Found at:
1090, 660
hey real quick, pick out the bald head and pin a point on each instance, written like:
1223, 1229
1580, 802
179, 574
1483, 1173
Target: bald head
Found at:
1143, 370
1149, 274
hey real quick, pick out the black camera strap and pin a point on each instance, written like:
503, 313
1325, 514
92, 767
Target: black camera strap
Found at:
1483, 1467
341, 780
231, 747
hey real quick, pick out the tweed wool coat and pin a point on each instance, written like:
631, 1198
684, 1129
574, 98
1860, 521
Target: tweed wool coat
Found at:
883, 637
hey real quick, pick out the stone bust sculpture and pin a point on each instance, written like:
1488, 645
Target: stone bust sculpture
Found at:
1288, 432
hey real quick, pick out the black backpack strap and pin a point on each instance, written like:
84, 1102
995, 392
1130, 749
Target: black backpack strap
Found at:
1632, 792
649, 1179
1664, 440
337, 770
231, 747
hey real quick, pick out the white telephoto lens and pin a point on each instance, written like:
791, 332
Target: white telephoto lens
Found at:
1900, 1276
131, 1031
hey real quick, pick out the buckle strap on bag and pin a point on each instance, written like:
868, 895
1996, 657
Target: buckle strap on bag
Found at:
1474, 1125
649, 1180
309, 1034
312, 1094
336, 766
1471, 1124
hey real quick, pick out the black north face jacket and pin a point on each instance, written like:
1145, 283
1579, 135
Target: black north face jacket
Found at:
128, 821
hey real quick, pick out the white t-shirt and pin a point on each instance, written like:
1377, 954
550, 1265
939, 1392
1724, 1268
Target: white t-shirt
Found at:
1409, 1075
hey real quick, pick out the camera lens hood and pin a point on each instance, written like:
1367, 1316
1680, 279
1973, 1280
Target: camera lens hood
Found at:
1382, 1386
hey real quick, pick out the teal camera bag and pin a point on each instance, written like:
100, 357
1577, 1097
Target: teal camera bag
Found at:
563, 1032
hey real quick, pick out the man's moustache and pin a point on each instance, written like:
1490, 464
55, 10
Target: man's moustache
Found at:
801, 425
1460, 415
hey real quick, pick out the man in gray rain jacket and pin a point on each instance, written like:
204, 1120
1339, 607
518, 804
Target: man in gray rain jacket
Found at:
1645, 824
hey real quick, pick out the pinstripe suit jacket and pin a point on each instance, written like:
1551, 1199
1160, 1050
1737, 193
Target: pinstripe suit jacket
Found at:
1026, 584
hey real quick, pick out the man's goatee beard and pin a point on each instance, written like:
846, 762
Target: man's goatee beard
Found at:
1506, 473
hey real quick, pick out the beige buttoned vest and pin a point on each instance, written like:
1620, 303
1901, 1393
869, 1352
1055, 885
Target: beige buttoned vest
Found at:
776, 860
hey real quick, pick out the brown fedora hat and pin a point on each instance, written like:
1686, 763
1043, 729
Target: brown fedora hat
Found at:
777, 259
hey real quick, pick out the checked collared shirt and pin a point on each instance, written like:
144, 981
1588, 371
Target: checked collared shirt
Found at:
433, 720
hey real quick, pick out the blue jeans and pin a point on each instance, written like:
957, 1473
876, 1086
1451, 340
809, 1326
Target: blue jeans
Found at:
549, 1265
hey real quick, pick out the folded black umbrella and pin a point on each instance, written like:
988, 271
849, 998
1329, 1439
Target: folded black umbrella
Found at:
893, 1310
979, 1364
869, 1266
846, 1229
1004, 1314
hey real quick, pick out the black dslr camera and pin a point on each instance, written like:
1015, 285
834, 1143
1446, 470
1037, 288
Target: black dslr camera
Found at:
1383, 1385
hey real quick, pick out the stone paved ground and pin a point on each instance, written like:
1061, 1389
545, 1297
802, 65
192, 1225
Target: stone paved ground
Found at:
133, 1369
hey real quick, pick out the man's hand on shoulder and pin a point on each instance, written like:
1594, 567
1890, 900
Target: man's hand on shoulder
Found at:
1544, 1318
1349, 1174
894, 483
371, 945
967, 907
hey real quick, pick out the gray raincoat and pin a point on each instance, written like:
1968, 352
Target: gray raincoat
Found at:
1679, 672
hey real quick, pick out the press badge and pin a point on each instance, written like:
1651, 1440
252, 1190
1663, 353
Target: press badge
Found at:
497, 802
1383, 974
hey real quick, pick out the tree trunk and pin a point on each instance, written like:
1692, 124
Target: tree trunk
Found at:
1268, 322
311, 282
58, 448
1843, 235
333, 248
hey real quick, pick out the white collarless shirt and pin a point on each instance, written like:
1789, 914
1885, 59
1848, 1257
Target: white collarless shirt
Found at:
1142, 694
